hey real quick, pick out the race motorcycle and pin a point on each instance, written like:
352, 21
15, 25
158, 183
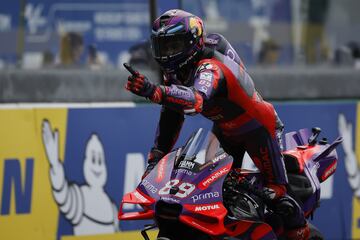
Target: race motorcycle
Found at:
193, 192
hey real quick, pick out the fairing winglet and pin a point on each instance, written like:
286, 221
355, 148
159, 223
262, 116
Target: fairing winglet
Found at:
328, 150
299, 138
136, 197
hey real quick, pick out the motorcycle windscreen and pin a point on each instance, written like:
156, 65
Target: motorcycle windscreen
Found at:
201, 147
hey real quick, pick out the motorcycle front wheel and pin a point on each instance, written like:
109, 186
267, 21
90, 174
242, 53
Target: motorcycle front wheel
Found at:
176, 230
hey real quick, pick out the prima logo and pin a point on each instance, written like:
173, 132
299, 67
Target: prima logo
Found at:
183, 171
149, 186
203, 196
187, 164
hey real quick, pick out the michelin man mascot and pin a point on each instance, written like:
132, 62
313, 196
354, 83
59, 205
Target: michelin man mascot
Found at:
351, 163
352, 166
88, 207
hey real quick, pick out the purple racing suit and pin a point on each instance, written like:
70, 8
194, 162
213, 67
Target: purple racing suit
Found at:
220, 89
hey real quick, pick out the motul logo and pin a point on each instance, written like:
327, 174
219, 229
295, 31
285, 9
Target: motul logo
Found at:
207, 195
207, 208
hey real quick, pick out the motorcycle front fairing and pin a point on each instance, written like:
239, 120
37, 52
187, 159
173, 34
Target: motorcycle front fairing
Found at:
200, 193
146, 193
189, 177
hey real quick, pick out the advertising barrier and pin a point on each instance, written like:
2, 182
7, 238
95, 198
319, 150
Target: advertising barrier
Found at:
64, 170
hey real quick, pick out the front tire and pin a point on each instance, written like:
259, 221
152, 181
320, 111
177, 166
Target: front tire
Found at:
176, 230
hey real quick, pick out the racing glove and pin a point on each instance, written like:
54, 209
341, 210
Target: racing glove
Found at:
141, 86
154, 156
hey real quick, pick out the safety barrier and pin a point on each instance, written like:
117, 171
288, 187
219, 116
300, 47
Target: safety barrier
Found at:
76, 85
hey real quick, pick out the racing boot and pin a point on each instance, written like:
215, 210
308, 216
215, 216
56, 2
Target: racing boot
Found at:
295, 224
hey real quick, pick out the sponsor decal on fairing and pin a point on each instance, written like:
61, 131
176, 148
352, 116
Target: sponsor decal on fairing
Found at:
203, 196
187, 164
148, 186
214, 177
207, 207
161, 170
140, 197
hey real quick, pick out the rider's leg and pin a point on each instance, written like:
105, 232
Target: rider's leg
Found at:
264, 150
256, 230
237, 151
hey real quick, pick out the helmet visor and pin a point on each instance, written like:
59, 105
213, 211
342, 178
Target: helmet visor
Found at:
164, 47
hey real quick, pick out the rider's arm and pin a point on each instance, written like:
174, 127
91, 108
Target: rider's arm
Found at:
185, 100
190, 100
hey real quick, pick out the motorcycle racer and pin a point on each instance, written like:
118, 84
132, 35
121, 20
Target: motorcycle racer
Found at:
204, 74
